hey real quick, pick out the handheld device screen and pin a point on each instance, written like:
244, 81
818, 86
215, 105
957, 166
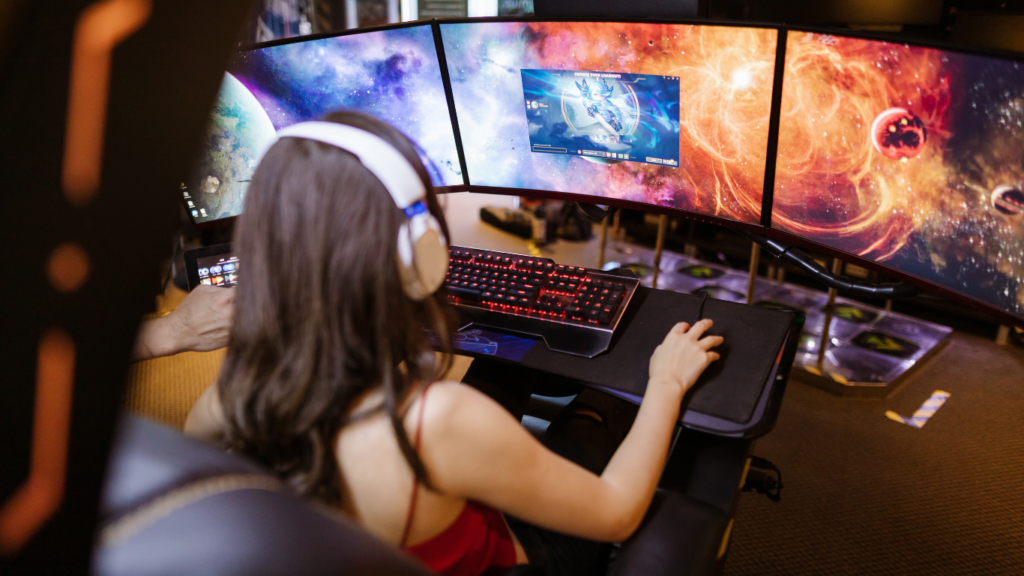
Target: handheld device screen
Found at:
218, 270
664, 114
213, 266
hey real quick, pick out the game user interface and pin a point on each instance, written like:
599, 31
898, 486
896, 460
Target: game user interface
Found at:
393, 75
665, 114
909, 156
218, 270
598, 115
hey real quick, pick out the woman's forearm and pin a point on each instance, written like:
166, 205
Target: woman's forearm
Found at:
636, 467
156, 338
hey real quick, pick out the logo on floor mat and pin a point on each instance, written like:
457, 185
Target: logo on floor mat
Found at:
700, 271
886, 344
854, 314
926, 411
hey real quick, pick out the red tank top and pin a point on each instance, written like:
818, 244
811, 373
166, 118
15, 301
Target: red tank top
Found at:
478, 540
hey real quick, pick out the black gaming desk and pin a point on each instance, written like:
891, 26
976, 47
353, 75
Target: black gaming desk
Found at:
734, 401
738, 396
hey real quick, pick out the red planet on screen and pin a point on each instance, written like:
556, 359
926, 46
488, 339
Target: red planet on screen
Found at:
898, 133
1008, 200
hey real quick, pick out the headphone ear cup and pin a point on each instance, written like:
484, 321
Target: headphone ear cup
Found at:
423, 258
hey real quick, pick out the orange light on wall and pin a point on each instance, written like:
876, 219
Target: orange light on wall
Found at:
41, 495
68, 267
101, 27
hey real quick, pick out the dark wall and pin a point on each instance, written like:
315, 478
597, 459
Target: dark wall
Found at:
162, 85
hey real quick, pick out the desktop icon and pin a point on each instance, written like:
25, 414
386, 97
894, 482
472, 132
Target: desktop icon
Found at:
204, 271
218, 280
206, 281
230, 266
195, 213
215, 269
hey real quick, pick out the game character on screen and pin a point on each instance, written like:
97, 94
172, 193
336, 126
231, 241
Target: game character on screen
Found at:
597, 99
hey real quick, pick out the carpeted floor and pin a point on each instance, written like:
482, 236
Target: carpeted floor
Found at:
866, 495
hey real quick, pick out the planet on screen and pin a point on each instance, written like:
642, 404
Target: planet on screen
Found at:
909, 156
393, 75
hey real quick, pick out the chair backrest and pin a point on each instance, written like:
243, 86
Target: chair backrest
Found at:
172, 505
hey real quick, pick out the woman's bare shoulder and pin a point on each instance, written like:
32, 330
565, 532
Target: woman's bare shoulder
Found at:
448, 397
454, 407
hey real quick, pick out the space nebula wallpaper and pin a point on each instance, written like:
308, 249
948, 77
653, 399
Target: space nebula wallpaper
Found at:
725, 88
393, 75
908, 156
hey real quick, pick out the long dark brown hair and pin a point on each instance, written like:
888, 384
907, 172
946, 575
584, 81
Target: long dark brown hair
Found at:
320, 313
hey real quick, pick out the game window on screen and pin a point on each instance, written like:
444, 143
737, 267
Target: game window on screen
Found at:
612, 116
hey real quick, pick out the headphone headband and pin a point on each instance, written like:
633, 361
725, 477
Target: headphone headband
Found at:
378, 156
422, 251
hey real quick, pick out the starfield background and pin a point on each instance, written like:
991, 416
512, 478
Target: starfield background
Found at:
725, 99
392, 75
912, 157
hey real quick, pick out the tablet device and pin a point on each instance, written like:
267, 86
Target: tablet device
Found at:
213, 265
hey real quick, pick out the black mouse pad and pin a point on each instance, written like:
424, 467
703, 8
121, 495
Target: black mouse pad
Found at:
728, 389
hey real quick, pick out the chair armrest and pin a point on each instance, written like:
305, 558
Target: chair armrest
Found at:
679, 536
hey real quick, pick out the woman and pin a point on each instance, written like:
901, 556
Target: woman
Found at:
329, 380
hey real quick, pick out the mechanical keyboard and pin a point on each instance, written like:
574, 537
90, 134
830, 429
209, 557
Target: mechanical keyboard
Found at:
573, 309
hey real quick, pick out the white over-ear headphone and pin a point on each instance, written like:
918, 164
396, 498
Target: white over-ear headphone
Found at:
422, 251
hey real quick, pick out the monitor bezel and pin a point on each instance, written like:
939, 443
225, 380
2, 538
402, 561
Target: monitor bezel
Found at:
989, 309
227, 221
755, 227
333, 34
766, 200
774, 232
892, 38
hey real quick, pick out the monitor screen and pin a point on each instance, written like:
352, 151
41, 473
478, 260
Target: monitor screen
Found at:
391, 74
907, 156
662, 114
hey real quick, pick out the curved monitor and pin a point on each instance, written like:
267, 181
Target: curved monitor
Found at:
663, 115
906, 156
392, 74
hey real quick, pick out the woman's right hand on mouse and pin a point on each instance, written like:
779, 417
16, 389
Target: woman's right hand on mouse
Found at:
683, 356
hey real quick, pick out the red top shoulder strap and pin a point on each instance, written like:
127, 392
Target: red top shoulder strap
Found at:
415, 479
